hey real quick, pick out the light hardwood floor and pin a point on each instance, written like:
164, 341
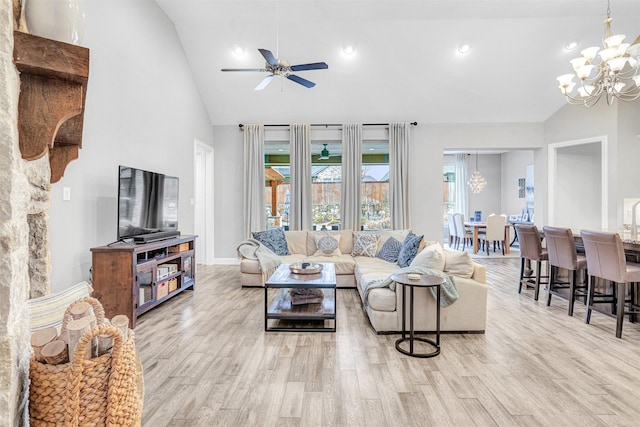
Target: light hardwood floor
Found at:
207, 361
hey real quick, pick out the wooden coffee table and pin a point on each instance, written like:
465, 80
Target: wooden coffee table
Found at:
302, 317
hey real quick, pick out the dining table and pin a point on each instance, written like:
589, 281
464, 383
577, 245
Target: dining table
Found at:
476, 226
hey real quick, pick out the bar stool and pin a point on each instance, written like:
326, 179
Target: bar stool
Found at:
606, 260
531, 249
561, 248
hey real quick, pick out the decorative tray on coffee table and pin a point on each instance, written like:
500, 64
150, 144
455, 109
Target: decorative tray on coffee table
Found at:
305, 268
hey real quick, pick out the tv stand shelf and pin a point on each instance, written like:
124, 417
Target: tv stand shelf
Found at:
131, 279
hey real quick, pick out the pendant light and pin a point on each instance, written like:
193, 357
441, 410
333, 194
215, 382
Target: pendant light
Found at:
476, 182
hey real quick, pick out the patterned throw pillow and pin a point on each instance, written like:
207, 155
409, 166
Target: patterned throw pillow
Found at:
365, 244
328, 245
390, 250
409, 250
273, 239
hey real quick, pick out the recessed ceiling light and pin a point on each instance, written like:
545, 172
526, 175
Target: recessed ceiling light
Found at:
464, 47
281, 149
348, 49
238, 50
571, 45
372, 149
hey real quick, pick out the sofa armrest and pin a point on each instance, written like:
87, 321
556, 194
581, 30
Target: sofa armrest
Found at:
479, 273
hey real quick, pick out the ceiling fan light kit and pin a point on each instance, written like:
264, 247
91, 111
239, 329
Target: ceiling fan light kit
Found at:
617, 71
281, 68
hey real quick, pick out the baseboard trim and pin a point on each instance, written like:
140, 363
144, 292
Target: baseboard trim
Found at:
226, 261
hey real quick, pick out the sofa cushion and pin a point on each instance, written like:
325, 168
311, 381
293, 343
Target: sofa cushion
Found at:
431, 257
364, 244
382, 299
390, 250
297, 241
344, 263
458, 263
409, 249
273, 239
252, 266
327, 245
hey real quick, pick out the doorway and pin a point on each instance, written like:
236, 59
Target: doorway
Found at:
203, 201
578, 183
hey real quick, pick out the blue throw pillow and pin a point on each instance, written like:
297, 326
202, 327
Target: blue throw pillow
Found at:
273, 239
409, 250
390, 250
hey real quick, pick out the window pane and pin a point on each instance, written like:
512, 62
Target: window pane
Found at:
376, 212
326, 187
277, 184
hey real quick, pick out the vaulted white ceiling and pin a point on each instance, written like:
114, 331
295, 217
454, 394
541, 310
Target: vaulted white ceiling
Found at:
406, 66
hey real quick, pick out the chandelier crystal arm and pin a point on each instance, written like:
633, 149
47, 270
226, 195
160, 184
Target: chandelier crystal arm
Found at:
617, 68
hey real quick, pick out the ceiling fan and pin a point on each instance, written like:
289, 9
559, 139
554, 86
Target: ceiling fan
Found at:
281, 68
324, 154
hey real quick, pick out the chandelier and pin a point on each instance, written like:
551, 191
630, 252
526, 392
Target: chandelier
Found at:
476, 182
615, 75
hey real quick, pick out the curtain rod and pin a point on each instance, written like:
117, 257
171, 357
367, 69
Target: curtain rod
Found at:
332, 124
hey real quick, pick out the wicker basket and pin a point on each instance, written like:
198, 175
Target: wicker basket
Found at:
102, 391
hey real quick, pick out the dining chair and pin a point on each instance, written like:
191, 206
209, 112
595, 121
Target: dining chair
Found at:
495, 232
561, 247
452, 230
531, 249
606, 260
463, 233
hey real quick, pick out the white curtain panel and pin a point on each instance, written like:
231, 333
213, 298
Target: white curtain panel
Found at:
399, 141
461, 198
300, 214
253, 201
351, 175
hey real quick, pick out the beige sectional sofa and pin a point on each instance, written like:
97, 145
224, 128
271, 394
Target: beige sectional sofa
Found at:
384, 305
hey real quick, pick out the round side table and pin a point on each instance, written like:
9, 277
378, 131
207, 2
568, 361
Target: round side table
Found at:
424, 282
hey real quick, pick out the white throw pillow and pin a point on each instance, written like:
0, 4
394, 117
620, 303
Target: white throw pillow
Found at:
431, 257
458, 263
328, 245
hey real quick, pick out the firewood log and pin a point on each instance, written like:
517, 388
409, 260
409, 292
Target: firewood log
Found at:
40, 338
121, 322
55, 353
75, 330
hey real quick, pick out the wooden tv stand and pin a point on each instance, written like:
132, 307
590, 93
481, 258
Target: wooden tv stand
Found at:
131, 278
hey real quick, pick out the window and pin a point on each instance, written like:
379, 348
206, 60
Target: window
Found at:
448, 190
376, 211
326, 187
277, 184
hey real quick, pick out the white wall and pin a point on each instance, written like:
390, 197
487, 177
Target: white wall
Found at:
488, 201
578, 191
514, 167
573, 122
142, 110
628, 183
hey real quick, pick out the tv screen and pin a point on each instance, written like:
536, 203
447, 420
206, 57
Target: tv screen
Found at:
147, 202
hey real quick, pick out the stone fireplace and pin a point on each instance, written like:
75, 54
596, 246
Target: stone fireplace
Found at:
35, 146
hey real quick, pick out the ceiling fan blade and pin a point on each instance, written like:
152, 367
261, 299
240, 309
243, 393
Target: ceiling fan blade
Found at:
243, 69
264, 82
313, 66
268, 56
300, 80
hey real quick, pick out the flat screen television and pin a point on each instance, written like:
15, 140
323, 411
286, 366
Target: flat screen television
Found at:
147, 205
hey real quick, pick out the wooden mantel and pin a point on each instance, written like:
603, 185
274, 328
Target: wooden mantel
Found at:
53, 88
